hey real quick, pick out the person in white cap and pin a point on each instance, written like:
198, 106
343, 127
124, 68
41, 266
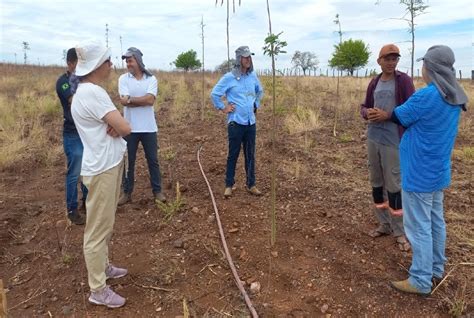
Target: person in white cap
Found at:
101, 128
243, 92
431, 118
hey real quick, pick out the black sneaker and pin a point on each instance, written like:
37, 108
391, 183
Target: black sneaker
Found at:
124, 198
82, 206
76, 218
435, 281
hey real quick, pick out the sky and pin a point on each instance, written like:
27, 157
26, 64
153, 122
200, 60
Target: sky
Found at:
162, 29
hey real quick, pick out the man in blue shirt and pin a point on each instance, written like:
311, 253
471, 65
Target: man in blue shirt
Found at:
431, 118
243, 92
71, 141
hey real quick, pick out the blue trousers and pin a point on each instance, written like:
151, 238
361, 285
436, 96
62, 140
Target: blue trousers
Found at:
238, 135
73, 149
150, 146
425, 228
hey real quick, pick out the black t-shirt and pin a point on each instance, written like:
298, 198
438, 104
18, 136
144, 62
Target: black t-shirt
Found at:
63, 89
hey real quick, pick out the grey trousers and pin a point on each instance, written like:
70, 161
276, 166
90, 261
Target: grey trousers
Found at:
384, 171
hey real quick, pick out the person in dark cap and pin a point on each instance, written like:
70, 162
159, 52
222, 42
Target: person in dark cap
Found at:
73, 147
138, 89
386, 91
243, 92
431, 118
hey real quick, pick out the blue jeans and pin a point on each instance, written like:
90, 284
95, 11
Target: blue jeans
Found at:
150, 146
244, 135
425, 228
73, 149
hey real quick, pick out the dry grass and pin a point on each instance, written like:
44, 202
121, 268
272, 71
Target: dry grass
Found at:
30, 125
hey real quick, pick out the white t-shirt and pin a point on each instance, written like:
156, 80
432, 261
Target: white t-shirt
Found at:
141, 118
101, 151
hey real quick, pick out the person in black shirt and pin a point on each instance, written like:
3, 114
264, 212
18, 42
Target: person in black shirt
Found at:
71, 141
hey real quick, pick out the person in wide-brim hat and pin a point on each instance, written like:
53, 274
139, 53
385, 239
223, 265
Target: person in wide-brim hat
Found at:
101, 128
431, 118
90, 56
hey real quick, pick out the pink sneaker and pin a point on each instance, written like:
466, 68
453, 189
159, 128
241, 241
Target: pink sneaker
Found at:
115, 272
107, 297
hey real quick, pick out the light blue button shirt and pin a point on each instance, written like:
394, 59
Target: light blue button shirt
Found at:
244, 92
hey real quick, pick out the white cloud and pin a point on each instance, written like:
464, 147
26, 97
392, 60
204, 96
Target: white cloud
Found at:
163, 29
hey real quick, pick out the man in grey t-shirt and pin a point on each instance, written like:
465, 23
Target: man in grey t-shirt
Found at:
386, 91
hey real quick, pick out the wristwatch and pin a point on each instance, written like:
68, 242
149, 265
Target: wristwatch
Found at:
129, 100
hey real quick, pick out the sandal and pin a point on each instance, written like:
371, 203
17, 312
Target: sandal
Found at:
378, 232
403, 243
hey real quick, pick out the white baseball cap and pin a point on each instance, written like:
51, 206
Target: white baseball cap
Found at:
91, 55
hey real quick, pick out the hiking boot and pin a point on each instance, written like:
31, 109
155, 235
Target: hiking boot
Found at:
125, 198
75, 217
159, 197
403, 243
381, 230
115, 272
255, 191
228, 192
406, 287
107, 297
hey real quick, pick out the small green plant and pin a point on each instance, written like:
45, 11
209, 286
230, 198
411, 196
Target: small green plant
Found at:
468, 153
168, 154
457, 303
170, 209
67, 259
345, 137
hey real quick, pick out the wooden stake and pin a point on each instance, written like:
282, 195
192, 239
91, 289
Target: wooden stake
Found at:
3, 301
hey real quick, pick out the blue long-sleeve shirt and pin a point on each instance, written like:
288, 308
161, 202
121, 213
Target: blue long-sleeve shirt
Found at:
244, 92
427, 144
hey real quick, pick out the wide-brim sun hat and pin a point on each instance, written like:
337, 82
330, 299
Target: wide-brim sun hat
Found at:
91, 55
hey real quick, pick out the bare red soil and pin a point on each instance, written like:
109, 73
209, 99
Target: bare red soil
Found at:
323, 263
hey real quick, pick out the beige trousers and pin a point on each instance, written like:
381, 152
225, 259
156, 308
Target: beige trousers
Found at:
101, 204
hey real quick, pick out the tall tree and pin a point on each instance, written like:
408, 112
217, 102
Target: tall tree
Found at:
26, 47
350, 55
107, 35
202, 70
273, 47
227, 23
338, 22
187, 61
413, 8
121, 50
305, 60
